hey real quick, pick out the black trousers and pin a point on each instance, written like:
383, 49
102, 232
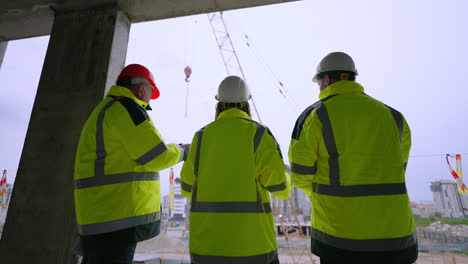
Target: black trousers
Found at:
333, 255
103, 250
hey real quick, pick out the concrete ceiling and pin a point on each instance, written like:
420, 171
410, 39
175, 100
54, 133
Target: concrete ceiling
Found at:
32, 18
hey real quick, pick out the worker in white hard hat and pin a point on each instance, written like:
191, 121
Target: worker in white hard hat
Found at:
349, 152
232, 167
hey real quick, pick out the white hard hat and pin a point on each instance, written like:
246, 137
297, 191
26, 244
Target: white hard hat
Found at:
335, 61
233, 90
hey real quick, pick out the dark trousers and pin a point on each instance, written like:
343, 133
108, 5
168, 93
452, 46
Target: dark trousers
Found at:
102, 250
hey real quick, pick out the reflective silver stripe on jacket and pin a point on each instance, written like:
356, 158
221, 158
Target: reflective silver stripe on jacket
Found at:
116, 178
258, 136
185, 186
330, 144
101, 153
303, 170
257, 259
226, 207
386, 244
334, 188
197, 153
230, 207
399, 121
99, 177
152, 154
277, 187
359, 190
118, 224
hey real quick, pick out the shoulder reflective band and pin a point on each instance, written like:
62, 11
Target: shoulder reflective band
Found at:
115, 178
100, 147
386, 244
230, 207
118, 224
197, 154
258, 136
399, 121
359, 190
330, 144
301, 119
152, 154
207, 259
303, 170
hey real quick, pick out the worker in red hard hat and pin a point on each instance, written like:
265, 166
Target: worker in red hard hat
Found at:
135, 72
120, 152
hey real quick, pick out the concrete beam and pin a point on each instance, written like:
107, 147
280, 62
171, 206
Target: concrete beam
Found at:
86, 50
32, 18
3, 47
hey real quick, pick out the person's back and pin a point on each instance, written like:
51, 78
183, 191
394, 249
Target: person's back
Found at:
116, 175
233, 164
349, 152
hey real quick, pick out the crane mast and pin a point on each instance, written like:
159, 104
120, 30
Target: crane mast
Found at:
227, 50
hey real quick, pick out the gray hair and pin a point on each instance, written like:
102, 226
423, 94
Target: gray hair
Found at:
137, 80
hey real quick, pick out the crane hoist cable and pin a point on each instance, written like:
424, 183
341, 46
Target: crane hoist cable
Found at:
190, 41
188, 72
278, 83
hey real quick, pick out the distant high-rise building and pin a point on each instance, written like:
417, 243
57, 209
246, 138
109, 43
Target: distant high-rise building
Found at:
464, 202
301, 205
179, 202
448, 200
165, 203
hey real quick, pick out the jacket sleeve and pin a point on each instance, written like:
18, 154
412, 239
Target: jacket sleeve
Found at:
270, 167
187, 175
406, 143
303, 151
141, 140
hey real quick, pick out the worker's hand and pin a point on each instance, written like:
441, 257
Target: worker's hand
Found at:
186, 148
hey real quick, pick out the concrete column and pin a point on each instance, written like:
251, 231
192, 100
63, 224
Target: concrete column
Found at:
3, 46
87, 49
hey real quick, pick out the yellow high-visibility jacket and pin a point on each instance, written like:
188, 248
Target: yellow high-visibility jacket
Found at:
349, 153
116, 168
232, 166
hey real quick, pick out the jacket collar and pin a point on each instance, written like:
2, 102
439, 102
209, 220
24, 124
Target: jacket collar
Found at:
233, 112
341, 87
116, 90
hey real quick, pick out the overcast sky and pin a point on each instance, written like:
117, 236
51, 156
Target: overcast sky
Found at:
410, 54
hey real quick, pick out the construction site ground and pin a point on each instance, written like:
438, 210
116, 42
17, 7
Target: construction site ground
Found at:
424, 258
171, 249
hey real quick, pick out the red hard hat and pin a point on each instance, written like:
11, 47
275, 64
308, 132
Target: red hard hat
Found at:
137, 70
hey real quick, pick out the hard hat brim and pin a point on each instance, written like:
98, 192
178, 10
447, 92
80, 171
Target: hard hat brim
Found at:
156, 93
314, 79
230, 101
